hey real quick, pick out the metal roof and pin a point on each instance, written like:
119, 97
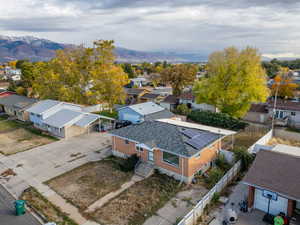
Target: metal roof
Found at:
146, 108
165, 136
287, 149
198, 126
62, 118
43, 106
86, 120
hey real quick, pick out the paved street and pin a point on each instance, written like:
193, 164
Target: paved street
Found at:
7, 216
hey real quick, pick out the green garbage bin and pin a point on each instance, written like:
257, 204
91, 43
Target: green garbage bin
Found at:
20, 207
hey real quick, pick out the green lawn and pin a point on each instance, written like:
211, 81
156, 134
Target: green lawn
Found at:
3, 117
113, 114
8, 125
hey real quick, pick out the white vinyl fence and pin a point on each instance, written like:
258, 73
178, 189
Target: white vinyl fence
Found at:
196, 212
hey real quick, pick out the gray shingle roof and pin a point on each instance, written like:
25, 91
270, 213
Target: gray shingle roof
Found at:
277, 172
17, 101
150, 96
165, 136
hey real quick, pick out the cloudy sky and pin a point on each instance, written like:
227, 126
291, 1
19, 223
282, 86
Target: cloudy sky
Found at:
183, 25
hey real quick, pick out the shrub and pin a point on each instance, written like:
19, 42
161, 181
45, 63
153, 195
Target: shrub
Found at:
222, 163
215, 198
183, 109
221, 120
214, 175
243, 155
129, 164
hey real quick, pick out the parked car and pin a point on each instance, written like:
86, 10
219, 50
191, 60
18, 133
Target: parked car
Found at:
123, 123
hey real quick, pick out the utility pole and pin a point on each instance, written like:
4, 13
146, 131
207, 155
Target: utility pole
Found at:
274, 108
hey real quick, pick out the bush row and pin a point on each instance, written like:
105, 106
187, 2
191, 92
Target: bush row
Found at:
221, 120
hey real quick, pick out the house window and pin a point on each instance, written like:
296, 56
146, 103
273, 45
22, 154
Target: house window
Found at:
126, 142
138, 148
293, 113
171, 158
197, 155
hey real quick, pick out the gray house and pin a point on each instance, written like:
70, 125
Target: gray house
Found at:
16, 105
144, 111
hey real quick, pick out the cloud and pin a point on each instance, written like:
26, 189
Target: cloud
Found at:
187, 25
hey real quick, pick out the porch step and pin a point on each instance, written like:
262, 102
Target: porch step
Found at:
144, 169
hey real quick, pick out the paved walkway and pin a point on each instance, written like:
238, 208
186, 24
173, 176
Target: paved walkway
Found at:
7, 212
111, 195
239, 193
177, 207
43, 163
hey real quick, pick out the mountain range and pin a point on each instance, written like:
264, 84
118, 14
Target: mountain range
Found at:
37, 49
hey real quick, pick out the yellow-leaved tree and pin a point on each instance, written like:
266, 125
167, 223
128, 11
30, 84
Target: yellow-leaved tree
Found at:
82, 75
235, 80
283, 84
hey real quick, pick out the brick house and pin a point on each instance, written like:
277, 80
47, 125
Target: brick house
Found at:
274, 180
176, 148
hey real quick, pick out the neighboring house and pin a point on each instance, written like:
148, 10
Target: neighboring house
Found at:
258, 113
12, 74
287, 112
176, 148
134, 95
139, 113
139, 81
5, 93
170, 102
150, 97
162, 91
274, 178
62, 119
189, 99
16, 105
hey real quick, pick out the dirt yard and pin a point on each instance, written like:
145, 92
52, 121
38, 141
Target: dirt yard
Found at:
275, 141
46, 208
17, 137
139, 202
90, 182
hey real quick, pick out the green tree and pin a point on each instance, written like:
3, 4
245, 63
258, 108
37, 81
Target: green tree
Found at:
179, 76
235, 80
129, 70
27, 76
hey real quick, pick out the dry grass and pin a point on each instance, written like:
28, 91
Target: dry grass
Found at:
90, 182
275, 141
139, 202
46, 208
245, 138
20, 139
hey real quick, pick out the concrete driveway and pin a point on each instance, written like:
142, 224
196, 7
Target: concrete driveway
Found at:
45, 162
7, 216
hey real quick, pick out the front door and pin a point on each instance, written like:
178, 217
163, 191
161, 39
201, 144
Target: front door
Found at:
150, 156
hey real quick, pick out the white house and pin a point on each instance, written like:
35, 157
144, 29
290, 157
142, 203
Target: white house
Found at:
62, 119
